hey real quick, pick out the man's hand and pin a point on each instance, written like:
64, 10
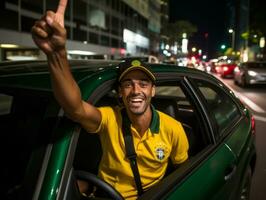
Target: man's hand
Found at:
49, 33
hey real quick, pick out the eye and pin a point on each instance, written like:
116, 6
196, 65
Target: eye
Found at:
126, 84
144, 83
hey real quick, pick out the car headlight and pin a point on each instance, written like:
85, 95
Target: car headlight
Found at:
252, 73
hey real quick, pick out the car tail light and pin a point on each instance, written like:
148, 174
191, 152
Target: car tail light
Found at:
225, 68
253, 125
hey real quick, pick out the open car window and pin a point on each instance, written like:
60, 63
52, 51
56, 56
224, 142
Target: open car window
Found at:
170, 99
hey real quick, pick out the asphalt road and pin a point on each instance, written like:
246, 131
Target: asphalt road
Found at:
255, 98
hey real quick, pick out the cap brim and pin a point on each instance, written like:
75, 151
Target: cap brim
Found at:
146, 71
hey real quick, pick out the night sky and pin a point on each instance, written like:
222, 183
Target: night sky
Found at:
210, 16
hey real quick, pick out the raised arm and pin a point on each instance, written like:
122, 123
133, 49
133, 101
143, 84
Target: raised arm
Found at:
49, 35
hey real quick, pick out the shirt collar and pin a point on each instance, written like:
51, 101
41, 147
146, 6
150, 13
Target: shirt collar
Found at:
155, 121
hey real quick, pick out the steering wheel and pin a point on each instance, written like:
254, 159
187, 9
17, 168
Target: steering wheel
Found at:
92, 178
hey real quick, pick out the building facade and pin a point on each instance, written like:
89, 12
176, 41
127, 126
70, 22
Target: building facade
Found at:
114, 28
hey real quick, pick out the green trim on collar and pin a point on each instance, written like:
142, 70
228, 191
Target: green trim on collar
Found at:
155, 121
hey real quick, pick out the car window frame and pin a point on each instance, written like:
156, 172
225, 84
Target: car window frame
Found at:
67, 185
227, 92
175, 179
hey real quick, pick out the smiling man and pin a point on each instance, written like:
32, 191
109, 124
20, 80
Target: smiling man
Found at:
136, 88
156, 136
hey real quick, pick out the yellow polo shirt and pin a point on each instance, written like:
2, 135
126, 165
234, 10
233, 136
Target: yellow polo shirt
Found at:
165, 138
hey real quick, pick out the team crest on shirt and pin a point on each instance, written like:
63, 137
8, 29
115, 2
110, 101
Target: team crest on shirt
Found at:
161, 151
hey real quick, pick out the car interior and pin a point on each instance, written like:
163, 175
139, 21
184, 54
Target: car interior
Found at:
27, 127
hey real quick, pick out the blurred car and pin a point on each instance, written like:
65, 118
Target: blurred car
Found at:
226, 69
211, 65
43, 152
249, 73
168, 61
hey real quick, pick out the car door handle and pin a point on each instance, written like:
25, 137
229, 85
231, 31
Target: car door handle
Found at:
229, 173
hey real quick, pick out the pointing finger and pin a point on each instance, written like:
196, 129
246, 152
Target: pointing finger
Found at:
62, 7
59, 16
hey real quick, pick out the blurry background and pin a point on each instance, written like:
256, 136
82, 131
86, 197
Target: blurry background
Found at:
173, 31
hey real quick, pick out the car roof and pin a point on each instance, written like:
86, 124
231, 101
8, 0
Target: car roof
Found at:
36, 66
35, 74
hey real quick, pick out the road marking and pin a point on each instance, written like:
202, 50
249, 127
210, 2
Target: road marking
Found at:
250, 103
263, 119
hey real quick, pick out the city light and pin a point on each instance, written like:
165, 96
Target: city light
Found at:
79, 52
262, 42
223, 46
184, 45
133, 40
8, 46
231, 31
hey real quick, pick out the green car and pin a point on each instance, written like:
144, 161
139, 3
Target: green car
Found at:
44, 153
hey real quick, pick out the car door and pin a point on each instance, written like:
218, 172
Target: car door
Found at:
208, 174
26, 121
230, 130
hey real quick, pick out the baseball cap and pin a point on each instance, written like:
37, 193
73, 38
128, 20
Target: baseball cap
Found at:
134, 64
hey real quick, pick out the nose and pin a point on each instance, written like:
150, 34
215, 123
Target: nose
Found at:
136, 88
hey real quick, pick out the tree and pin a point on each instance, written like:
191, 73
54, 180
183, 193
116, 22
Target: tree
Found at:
257, 16
257, 21
174, 31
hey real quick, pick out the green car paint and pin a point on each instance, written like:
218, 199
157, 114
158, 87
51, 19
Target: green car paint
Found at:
209, 175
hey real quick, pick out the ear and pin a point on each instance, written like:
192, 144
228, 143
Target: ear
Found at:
153, 91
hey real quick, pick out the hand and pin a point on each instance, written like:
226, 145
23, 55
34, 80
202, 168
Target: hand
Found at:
49, 33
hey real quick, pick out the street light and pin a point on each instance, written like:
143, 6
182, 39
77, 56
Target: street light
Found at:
231, 31
184, 43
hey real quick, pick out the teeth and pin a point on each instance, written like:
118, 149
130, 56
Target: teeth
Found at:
136, 100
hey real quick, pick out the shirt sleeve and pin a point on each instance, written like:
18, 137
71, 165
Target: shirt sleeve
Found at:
105, 112
180, 145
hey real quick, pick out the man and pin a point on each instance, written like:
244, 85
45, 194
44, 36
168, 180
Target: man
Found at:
156, 135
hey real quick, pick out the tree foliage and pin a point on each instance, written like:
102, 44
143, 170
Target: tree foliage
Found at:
175, 30
258, 17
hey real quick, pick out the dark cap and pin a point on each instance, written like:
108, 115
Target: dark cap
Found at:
134, 64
